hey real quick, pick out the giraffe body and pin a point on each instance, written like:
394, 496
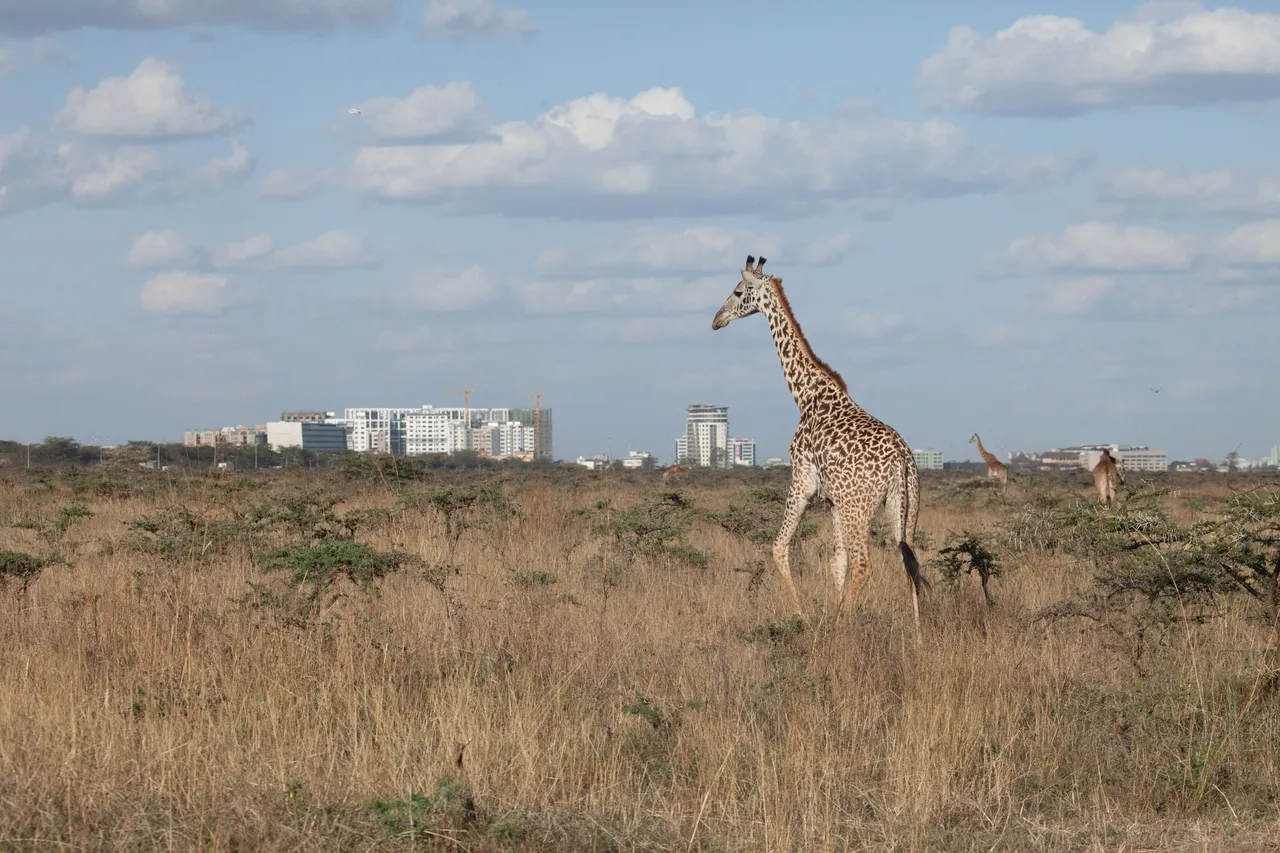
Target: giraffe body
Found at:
839, 453
996, 470
673, 471
1106, 473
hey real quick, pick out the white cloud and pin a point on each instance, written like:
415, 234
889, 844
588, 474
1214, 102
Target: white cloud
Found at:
826, 250
290, 183
617, 293
334, 249
460, 19
26, 17
230, 255
427, 112
1079, 295
1254, 244
151, 103
184, 293
435, 292
654, 155
91, 175
1222, 191
1051, 65
1101, 247
222, 169
104, 176
871, 326
165, 248
696, 249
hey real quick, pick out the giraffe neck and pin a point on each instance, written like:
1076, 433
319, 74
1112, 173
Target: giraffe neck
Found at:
807, 376
982, 451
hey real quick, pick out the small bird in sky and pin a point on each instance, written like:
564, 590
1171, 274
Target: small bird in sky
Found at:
354, 111
1157, 390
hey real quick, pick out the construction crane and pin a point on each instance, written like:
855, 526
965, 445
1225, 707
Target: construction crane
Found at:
466, 401
537, 423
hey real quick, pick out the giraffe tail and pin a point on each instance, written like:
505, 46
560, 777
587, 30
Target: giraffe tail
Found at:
905, 527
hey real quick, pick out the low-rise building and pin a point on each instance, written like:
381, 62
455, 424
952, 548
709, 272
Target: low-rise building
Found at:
740, 451
306, 435
236, 436
639, 459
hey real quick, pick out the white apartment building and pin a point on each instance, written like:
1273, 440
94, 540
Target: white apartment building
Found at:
1136, 458
706, 436
741, 451
1274, 459
927, 459
375, 430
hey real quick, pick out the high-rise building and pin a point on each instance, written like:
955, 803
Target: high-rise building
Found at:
542, 419
927, 459
1274, 458
740, 451
706, 436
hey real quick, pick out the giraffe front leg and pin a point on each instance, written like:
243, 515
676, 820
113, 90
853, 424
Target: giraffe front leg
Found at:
804, 485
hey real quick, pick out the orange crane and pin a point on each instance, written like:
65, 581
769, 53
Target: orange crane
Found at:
466, 401
537, 423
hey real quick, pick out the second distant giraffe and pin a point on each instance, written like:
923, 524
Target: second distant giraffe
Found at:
996, 470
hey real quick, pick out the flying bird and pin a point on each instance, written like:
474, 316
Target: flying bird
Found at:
1158, 390
354, 111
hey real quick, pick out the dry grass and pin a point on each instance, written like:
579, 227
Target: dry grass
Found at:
603, 703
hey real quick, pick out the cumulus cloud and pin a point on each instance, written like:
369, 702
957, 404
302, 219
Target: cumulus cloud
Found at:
230, 255
92, 175
151, 103
653, 154
623, 293
184, 293
27, 17
461, 19
1252, 245
1219, 192
290, 183
432, 291
334, 249
1100, 247
1077, 296
165, 248
1052, 65
428, 112
706, 248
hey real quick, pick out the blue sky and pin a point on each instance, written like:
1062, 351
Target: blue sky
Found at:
989, 216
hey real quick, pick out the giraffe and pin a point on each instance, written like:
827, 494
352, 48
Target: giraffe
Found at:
673, 471
838, 453
996, 470
1105, 474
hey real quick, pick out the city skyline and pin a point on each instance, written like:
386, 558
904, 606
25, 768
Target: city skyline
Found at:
1043, 224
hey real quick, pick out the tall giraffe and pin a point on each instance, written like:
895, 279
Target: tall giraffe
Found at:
839, 452
996, 470
1105, 474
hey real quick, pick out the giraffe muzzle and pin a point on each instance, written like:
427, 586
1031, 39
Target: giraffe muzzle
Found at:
719, 321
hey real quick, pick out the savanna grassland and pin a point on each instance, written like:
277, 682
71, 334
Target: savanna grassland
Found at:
390, 658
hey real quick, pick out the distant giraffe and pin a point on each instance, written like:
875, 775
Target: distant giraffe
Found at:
996, 470
1105, 474
673, 471
839, 452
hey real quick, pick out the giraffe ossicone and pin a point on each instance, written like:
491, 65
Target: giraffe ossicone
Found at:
839, 452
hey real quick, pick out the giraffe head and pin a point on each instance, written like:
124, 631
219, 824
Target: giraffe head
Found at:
747, 296
975, 438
